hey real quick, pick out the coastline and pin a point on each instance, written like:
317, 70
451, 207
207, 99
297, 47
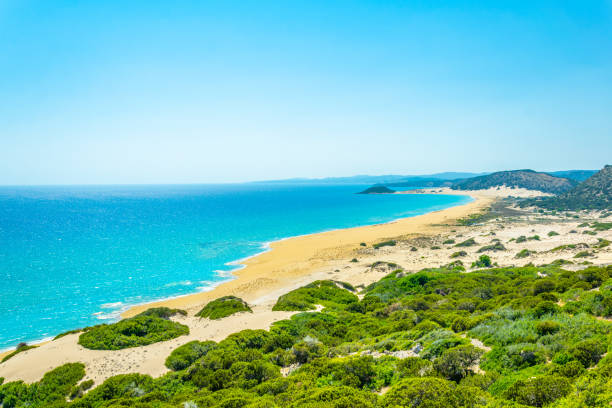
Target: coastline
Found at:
286, 265
294, 262
284, 260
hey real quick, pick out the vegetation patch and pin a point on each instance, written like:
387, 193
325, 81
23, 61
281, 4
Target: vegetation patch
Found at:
458, 254
384, 244
19, 349
601, 226
497, 246
223, 307
484, 261
524, 253
324, 292
151, 326
496, 337
467, 243
188, 353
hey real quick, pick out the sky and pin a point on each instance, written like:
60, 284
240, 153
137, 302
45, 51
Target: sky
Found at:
126, 92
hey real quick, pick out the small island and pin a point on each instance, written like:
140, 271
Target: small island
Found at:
377, 190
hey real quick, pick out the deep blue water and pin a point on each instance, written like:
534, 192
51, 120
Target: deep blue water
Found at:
77, 256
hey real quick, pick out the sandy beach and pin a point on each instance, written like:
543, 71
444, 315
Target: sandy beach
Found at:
293, 262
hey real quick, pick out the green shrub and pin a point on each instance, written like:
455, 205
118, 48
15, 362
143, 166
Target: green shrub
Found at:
426, 392
547, 327
552, 233
327, 293
521, 239
539, 391
456, 363
467, 243
601, 226
185, 355
588, 352
582, 254
458, 254
140, 330
484, 261
498, 246
448, 242
384, 244
523, 253
223, 307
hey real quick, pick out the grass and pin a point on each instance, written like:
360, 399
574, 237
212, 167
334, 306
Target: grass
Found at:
223, 307
552, 233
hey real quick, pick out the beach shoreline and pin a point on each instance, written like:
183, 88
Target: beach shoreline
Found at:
251, 280
421, 242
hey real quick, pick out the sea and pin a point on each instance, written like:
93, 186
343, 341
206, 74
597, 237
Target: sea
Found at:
75, 256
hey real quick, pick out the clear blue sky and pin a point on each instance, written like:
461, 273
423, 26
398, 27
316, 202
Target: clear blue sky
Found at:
206, 91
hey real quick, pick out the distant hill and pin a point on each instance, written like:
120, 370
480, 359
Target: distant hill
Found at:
595, 193
578, 175
421, 182
528, 179
377, 190
390, 179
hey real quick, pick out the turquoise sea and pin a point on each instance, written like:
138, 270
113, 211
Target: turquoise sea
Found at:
76, 256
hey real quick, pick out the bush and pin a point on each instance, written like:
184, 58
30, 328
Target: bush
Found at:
588, 352
498, 246
467, 243
327, 293
547, 327
185, 355
458, 254
539, 391
456, 363
552, 233
223, 307
523, 253
427, 392
484, 261
139, 330
449, 242
384, 244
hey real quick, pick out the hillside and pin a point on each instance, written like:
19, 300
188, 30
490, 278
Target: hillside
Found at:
377, 190
422, 182
390, 179
595, 193
578, 175
527, 179
436, 338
